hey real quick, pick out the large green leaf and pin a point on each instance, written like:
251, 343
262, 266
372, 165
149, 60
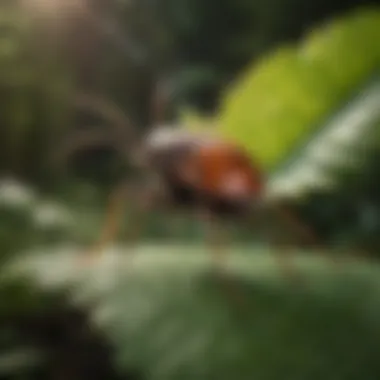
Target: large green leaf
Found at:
284, 98
172, 318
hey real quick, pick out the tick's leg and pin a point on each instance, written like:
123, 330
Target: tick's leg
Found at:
298, 232
284, 257
266, 227
141, 200
301, 231
112, 223
216, 238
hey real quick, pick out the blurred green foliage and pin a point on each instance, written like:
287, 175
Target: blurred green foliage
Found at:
120, 50
288, 94
34, 85
214, 41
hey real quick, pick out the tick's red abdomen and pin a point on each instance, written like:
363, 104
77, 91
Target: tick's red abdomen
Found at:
224, 171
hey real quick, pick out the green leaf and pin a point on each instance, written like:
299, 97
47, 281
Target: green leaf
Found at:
171, 316
279, 103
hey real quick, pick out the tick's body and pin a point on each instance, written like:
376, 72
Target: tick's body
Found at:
200, 171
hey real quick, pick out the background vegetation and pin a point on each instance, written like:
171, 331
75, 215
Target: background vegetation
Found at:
295, 83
